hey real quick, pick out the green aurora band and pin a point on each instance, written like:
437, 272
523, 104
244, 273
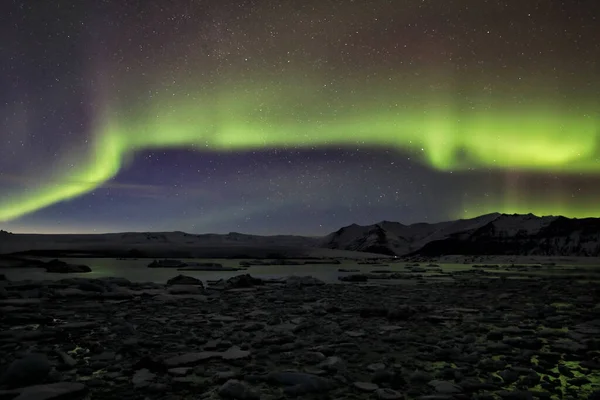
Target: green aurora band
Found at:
533, 134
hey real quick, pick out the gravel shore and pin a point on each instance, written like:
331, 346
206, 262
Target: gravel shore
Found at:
476, 338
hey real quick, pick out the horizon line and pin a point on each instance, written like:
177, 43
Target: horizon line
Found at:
274, 234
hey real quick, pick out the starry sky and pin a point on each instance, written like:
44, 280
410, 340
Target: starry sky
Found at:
287, 116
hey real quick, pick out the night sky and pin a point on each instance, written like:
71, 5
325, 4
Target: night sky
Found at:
295, 116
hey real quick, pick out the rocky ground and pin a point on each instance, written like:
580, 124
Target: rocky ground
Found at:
476, 338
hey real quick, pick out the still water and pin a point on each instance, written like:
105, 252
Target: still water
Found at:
138, 271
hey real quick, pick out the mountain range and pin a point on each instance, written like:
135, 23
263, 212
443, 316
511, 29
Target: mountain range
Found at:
490, 234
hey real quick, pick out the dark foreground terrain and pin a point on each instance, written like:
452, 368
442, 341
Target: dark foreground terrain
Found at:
479, 338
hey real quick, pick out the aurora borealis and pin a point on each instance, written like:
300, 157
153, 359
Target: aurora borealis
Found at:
296, 117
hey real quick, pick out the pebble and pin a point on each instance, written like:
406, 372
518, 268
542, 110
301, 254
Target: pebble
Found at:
142, 378
376, 367
366, 386
53, 391
388, 394
234, 389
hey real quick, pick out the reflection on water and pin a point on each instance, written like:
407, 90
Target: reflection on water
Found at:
138, 271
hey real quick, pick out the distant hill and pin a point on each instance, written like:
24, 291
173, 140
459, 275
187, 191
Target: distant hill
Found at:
159, 244
490, 234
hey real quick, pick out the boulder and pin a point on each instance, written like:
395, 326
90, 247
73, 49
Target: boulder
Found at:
61, 267
54, 391
185, 280
242, 281
29, 370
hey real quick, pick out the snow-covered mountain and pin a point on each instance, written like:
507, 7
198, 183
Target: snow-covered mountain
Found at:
490, 234
394, 238
526, 235
487, 234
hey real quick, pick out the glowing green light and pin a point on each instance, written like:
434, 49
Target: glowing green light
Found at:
540, 207
544, 137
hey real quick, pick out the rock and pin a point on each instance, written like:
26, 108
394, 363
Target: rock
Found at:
85, 371
234, 389
72, 292
419, 377
53, 391
150, 363
181, 371
355, 333
185, 289
474, 385
242, 281
79, 325
332, 364
389, 328
445, 387
104, 356
590, 364
233, 353
388, 394
515, 395
495, 335
373, 312
509, 376
223, 318
383, 376
595, 395
95, 383
578, 381
118, 293
400, 313
253, 327
61, 267
142, 378
366, 386
223, 376
20, 302
525, 343
301, 383
90, 286
185, 280
191, 358
303, 281
376, 367
67, 359
175, 298
29, 370
313, 357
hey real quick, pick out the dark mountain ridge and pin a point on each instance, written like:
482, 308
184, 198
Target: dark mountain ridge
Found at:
489, 234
